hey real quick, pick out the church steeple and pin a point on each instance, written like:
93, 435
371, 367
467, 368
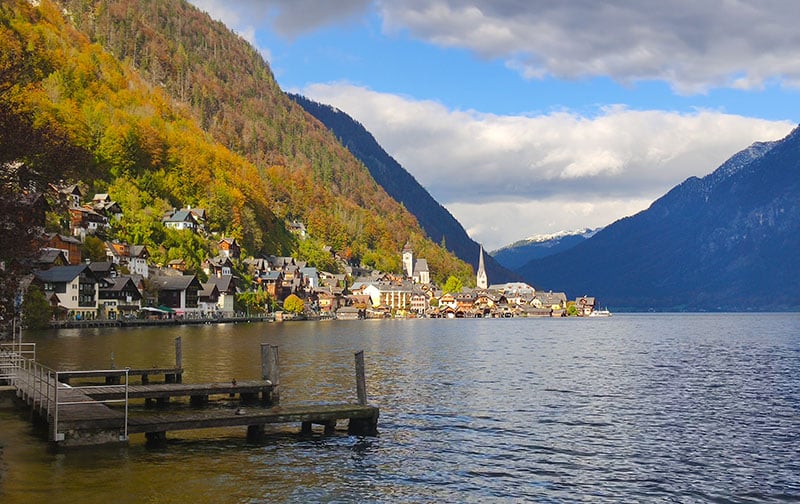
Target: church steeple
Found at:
482, 281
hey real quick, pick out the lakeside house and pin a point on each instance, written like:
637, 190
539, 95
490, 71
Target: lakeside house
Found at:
71, 290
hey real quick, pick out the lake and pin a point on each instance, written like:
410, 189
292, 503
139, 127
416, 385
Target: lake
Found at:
639, 407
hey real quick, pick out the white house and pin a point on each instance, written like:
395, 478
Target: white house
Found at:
74, 288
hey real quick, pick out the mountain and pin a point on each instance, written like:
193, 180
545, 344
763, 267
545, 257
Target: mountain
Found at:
521, 252
438, 223
176, 110
728, 241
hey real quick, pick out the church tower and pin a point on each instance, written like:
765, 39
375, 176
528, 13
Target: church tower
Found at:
482, 281
408, 260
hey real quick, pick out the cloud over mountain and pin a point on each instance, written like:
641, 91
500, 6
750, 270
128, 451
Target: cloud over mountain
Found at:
487, 167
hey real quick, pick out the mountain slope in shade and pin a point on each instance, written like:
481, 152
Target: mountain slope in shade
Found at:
521, 252
437, 222
728, 241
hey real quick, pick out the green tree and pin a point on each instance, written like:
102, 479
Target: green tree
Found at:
36, 311
94, 249
254, 301
293, 304
453, 285
312, 251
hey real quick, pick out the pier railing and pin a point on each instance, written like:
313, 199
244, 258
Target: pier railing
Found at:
11, 356
39, 386
83, 399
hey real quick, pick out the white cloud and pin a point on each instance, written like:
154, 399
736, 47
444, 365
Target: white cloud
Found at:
286, 17
501, 223
492, 170
692, 45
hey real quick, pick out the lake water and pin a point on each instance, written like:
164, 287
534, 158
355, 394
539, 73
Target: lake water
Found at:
645, 407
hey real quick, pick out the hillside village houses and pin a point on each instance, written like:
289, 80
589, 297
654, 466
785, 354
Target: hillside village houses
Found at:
81, 290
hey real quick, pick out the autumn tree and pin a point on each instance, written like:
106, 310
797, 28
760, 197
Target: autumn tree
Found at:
294, 304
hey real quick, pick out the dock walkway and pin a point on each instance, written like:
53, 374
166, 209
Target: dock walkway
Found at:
101, 414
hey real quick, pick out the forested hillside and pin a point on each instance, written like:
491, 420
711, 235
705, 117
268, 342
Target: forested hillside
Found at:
175, 110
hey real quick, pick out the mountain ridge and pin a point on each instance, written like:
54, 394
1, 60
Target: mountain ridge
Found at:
520, 252
722, 242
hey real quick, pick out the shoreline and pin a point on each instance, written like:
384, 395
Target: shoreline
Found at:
81, 324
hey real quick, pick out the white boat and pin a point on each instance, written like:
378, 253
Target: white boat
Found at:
600, 313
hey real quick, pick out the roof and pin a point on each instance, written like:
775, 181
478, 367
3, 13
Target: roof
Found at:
139, 251
421, 265
121, 283
224, 282
271, 275
219, 261
177, 282
60, 274
64, 238
551, 297
51, 255
180, 216
101, 266
208, 290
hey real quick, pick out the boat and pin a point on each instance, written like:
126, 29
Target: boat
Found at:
600, 313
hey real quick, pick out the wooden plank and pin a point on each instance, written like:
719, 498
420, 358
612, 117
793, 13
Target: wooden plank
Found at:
166, 390
131, 372
203, 419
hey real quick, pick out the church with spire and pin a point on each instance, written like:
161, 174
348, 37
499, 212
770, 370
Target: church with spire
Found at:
482, 282
417, 270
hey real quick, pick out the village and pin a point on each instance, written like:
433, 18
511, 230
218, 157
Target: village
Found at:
127, 287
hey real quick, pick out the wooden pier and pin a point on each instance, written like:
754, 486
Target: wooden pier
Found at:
101, 414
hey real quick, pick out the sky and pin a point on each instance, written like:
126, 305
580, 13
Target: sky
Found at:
526, 117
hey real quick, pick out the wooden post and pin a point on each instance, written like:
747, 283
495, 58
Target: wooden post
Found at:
361, 381
178, 360
270, 371
178, 353
264, 361
255, 433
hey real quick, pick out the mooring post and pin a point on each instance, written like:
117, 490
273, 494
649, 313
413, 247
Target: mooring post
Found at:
270, 371
178, 353
361, 381
112, 361
178, 360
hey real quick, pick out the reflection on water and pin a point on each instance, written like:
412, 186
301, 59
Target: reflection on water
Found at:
632, 408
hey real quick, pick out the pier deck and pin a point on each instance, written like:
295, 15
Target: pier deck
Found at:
101, 414
256, 416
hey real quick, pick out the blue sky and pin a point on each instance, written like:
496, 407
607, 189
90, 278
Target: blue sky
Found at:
534, 117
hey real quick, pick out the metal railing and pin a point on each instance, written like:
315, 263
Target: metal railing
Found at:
57, 436
11, 356
39, 385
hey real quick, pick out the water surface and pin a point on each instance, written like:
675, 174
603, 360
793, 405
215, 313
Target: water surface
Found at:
661, 407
